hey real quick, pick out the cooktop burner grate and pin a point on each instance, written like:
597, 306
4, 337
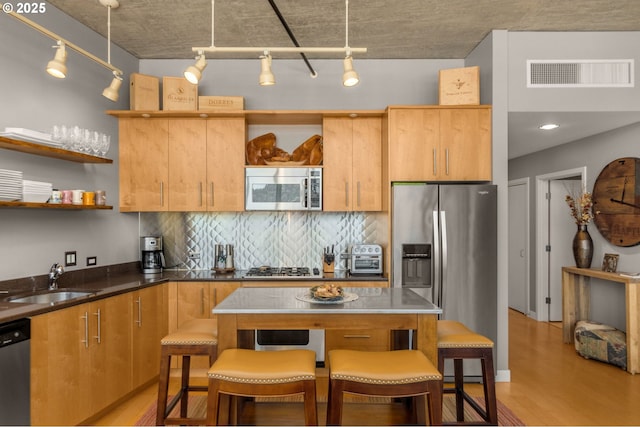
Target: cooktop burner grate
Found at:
278, 272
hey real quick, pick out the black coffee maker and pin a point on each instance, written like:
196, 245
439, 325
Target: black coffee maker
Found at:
152, 259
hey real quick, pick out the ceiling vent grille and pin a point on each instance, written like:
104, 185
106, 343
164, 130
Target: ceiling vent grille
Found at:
579, 73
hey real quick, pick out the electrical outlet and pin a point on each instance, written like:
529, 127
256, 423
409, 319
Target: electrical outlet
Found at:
194, 255
92, 260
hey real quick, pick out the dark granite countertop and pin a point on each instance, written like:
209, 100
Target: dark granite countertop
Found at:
111, 284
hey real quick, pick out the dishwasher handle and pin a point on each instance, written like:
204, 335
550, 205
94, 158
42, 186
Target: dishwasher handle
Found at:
15, 332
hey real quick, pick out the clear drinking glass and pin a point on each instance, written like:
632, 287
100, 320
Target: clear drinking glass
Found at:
95, 142
105, 145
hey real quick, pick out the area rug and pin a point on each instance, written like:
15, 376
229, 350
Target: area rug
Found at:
198, 405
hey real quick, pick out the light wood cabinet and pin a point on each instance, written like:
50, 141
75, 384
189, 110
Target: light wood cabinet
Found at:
182, 164
352, 151
225, 159
149, 326
86, 357
144, 164
439, 143
195, 300
187, 165
80, 360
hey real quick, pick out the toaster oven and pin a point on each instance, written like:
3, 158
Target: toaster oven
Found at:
365, 259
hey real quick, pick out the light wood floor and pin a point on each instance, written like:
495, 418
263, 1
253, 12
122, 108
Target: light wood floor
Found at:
550, 385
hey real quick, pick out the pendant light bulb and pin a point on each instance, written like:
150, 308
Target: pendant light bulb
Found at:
350, 77
111, 92
266, 75
57, 67
193, 73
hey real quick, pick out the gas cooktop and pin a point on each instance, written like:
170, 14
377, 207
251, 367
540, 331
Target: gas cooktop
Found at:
281, 272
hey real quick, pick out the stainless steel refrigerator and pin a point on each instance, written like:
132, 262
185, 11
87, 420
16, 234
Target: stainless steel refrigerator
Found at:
444, 246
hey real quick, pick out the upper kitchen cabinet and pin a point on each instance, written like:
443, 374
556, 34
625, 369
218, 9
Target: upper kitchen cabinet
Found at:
206, 160
434, 143
187, 165
352, 162
144, 164
181, 164
225, 159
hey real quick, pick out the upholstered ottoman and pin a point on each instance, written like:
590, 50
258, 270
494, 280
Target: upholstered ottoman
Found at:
594, 340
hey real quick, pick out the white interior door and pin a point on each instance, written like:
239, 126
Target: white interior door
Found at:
518, 246
562, 228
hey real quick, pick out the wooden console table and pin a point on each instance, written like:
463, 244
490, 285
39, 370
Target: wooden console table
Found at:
576, 301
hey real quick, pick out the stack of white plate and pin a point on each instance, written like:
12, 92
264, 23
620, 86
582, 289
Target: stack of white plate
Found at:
30, 136
36, 191
10, 185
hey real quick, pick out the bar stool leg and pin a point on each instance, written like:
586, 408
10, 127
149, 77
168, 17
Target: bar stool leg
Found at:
184, 385
459, 388
163, 385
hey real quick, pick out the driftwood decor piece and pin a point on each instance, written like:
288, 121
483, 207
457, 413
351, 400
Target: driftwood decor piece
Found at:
262, 150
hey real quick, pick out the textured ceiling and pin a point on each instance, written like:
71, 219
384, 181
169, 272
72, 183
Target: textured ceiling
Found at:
389, 29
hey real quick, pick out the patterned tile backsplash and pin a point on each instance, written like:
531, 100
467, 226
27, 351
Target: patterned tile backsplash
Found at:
292, 239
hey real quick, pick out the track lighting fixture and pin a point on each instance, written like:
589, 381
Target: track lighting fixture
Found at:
350, 77
57, 66
193, 73
111, 91
266, 75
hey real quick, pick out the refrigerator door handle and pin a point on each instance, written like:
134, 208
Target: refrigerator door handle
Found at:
443, 242
435, 260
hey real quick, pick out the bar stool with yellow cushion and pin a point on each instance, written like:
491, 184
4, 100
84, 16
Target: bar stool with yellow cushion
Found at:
251, 373
197, 337
457, 342
398, 373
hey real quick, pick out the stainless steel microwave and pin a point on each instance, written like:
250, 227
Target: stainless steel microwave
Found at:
283, 189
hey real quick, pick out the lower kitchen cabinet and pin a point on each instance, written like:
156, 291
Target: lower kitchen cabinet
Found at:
149, 326
80, 360
356, 339
86, 357
195, 300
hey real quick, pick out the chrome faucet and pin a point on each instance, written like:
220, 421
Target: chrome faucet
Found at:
54, 273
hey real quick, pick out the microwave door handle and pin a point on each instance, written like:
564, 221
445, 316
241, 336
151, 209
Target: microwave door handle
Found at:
304, 193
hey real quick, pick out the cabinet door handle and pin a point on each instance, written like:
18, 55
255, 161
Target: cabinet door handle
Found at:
139, 321
202, 301
97, 337
211, 194
86, 330
357, 336
435, 161
446, 155
358, 194
346, 193
215, 295
161, 193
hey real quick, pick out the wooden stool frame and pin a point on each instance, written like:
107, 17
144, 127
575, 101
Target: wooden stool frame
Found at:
427, 395
185, 351
490, 413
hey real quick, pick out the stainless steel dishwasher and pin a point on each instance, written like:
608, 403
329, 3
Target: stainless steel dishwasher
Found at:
15, 366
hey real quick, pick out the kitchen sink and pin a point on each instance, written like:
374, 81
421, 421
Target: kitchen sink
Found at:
52, 297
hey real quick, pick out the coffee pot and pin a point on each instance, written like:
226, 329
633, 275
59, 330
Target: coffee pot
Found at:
152, 258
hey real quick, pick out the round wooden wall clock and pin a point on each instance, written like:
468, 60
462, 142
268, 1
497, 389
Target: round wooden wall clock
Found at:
616, 201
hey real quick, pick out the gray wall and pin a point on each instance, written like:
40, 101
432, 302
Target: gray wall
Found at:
32, 239
575, 46
382, 83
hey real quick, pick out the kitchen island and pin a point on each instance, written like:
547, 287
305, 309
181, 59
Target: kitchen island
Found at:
250, 308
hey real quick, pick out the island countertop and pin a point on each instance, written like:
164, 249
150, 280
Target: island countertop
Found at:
290, 301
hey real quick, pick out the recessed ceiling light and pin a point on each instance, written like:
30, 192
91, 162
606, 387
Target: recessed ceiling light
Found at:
548, 126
